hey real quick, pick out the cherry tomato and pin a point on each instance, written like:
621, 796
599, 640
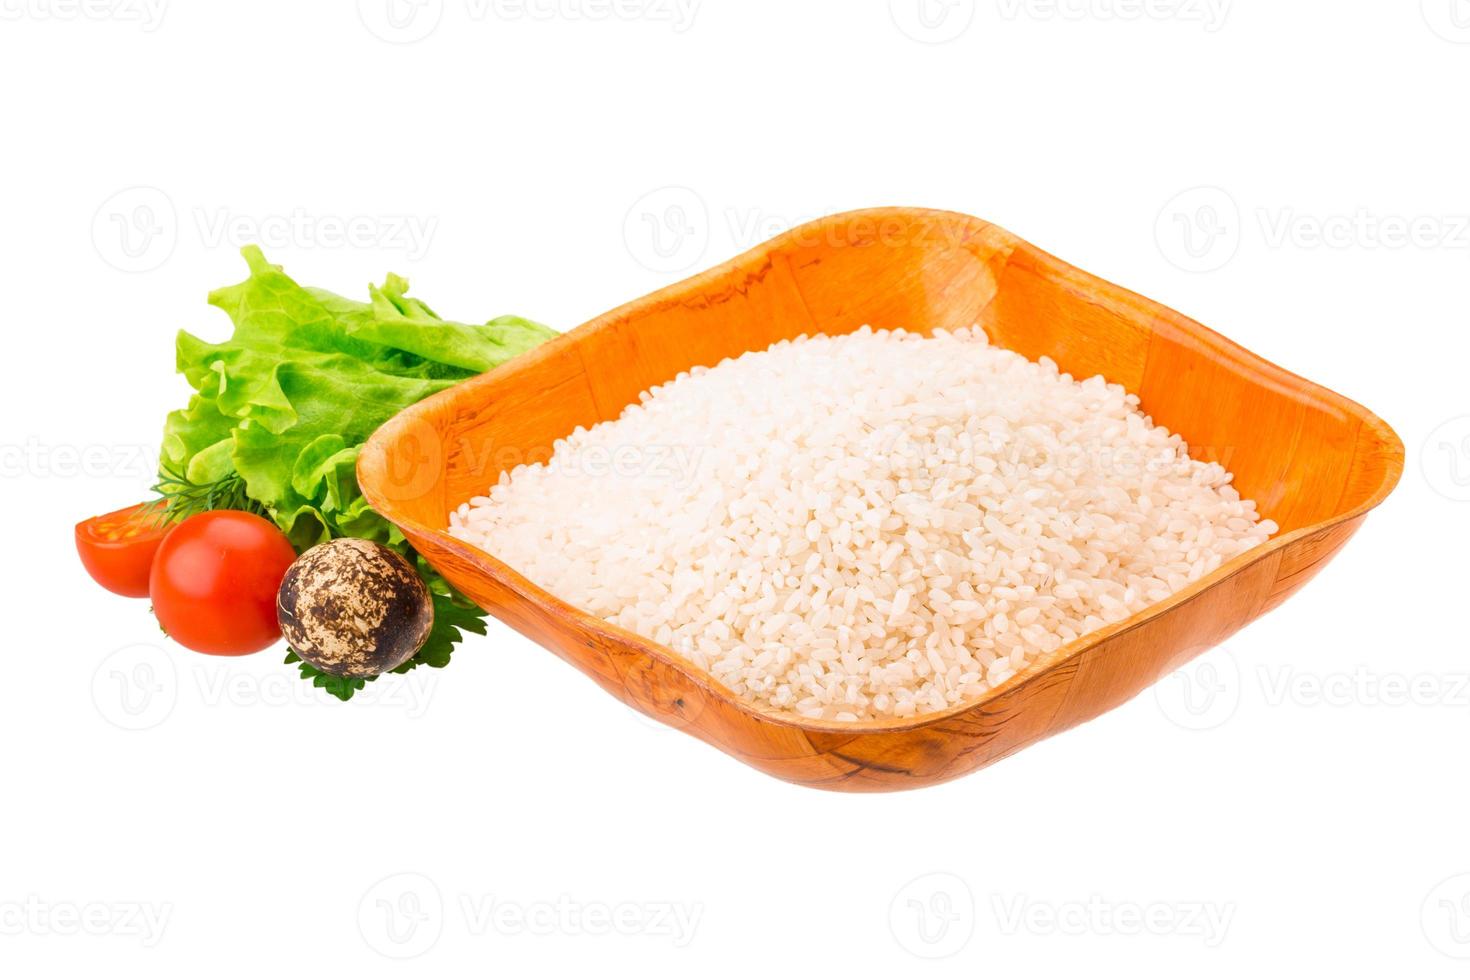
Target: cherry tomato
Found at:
214, 582
117, 549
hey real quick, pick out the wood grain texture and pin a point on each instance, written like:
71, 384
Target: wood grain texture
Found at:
1315, 461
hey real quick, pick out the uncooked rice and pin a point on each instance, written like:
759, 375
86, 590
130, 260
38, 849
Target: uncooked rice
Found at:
877, 525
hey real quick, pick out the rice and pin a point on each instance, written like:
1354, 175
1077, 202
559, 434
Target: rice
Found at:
876, 525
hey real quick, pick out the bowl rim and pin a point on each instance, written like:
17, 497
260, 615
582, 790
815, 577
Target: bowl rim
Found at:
709, 687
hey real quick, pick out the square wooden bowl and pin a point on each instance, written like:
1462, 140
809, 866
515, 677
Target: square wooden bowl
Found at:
1314, 462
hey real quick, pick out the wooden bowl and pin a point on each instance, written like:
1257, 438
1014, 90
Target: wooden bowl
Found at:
1314, 462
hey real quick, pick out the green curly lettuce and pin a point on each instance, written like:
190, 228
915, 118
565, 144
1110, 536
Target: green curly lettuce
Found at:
284, 405
287, 402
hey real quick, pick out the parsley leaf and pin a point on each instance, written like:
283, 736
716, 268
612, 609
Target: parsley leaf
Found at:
341, 688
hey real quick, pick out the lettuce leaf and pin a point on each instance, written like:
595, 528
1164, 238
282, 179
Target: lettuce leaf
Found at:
283, 407
289, 399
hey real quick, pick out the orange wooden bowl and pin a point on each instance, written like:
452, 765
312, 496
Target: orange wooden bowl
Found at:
1314, 462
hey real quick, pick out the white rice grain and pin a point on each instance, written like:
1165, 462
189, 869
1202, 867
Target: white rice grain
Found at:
876, 525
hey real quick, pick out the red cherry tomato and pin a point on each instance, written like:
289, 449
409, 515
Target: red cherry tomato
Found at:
117, 549
214, 582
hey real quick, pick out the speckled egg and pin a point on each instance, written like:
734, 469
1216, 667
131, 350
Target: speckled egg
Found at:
354, 608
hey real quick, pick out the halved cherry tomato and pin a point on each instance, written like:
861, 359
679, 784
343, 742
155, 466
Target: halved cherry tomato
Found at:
117, 549
215, 579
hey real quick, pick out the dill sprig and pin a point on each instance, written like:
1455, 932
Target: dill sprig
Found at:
183, 499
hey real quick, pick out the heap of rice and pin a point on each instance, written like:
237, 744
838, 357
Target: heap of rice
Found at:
870, 526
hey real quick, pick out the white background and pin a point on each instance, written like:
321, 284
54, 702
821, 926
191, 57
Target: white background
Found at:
1283, 805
